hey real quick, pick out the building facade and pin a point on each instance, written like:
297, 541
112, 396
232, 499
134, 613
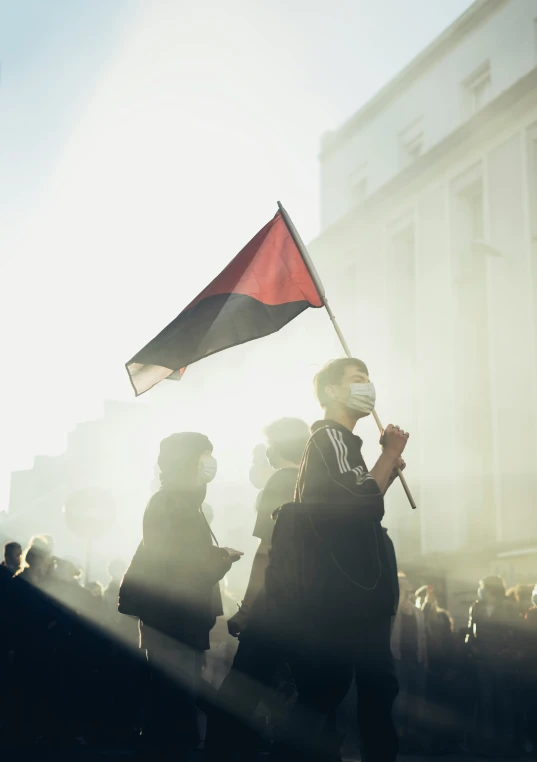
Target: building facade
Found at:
429, 250
115, 453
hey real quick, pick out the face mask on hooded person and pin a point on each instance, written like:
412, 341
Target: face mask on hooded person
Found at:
182, 459
207, 468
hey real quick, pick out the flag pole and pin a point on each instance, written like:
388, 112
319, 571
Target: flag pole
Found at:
320, 288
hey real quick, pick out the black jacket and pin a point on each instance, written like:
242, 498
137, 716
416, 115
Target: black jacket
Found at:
172, 582
331, 565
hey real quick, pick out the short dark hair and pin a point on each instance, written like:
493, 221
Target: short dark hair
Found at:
39, 549
494, 585
332, 373
289, 437
11, 547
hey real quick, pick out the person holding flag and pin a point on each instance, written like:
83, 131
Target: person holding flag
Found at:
331, 581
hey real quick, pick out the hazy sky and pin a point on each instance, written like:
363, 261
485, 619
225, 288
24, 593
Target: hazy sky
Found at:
142, 144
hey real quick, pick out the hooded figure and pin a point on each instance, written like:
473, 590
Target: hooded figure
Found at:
172, 587
172, 582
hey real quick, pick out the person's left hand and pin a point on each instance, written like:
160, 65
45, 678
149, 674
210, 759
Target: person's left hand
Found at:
238, 622
235, 555
400, 464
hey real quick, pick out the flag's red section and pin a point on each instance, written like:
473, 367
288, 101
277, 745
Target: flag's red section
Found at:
269, 269
265, 287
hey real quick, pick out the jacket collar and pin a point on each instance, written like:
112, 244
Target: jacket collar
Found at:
334, 425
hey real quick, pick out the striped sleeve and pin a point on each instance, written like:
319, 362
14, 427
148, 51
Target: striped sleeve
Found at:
334, 453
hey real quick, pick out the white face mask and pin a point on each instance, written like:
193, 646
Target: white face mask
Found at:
362, 398
208, 469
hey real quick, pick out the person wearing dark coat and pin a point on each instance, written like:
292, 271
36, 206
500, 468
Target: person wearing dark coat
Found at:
172, 587
491, 630
329, 585
231, 725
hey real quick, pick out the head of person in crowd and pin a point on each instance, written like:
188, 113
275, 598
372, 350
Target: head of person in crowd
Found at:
491, 590
187, 464
287, 439
426, 598
12, 556
407, 599
510, 594
427, 602
260, 470
96, 589
116, 569
49, 540
344, 390
523, 595
519, 597
38, 561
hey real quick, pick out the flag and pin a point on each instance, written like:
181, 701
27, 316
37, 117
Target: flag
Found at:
262, 289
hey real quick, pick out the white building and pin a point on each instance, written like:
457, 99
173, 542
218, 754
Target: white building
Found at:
115, 453
429, 251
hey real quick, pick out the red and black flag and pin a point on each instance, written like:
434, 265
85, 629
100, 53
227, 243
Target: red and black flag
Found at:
262, 289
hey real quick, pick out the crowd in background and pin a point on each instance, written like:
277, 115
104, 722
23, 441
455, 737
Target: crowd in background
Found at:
473, 689
71, 672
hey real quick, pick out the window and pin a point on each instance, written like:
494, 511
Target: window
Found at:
411, 143
476, 90
480, 92
401, 289
532, 177
357, 187
468, 210
403, 252
475, 202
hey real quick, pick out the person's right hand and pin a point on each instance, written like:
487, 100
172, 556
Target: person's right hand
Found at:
394, 440
235, 555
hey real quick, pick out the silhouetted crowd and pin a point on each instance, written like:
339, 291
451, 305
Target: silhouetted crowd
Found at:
71, 673
473, 689
69, 667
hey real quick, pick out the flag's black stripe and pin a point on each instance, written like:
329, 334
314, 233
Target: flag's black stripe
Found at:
216, 323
